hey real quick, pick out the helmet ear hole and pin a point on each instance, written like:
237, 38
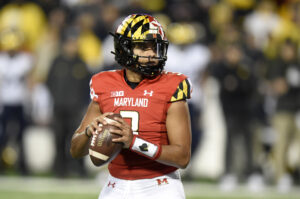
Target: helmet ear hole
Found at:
125, 45
123, 50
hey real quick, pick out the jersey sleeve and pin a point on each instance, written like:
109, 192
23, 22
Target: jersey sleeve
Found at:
183, 91
94, 96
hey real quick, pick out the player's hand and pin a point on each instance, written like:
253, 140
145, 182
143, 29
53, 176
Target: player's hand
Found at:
96, 125
124, 131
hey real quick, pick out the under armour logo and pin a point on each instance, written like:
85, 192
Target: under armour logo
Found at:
144, 147
162, 181
111, 184
148, 93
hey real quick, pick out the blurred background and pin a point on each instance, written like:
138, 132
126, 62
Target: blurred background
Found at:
242, 57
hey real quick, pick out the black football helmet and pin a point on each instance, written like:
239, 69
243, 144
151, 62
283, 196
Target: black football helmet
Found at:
137, 29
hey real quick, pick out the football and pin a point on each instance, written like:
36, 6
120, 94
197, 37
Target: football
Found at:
102, 150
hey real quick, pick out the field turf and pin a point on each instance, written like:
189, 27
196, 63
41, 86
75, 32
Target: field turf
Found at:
52, 188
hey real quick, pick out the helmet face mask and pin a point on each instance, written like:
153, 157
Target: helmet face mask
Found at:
140, 31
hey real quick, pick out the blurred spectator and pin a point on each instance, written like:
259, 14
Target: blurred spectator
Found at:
221, 14
26, 16
237, 86
182, 11
186, 55
68, 81
108, 22
79, 3
132, 6
261, 126
48, 45
15, 67
284, 75
241, 5
89, 45
153, 6
287, 28
262, 22
230, 33
48, 5
202, 16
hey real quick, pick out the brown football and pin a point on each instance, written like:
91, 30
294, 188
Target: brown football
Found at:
102, 150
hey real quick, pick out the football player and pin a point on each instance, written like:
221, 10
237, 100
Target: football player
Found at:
155, 125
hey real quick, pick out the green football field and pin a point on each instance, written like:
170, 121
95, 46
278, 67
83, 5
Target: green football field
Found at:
52, 188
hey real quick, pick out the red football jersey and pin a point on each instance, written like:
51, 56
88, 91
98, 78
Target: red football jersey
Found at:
145, 108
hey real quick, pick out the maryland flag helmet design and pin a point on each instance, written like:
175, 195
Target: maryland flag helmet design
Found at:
137, 29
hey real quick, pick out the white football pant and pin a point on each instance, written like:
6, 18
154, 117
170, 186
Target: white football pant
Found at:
163, 187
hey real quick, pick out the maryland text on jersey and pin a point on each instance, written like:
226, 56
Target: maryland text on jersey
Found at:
130, 101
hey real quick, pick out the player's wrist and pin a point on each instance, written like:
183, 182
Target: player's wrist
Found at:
132, 142
86, 132
145, 148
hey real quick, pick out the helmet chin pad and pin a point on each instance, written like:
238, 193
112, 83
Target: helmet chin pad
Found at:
147, 70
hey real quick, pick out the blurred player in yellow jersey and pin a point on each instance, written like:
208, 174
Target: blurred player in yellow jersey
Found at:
155, 124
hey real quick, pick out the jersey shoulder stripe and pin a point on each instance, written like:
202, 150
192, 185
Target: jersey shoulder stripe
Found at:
183, 91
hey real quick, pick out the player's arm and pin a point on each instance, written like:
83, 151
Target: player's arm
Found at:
178, 152
87, 127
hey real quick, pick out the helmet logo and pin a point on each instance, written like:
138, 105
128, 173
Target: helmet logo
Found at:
139, 26
156, 28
